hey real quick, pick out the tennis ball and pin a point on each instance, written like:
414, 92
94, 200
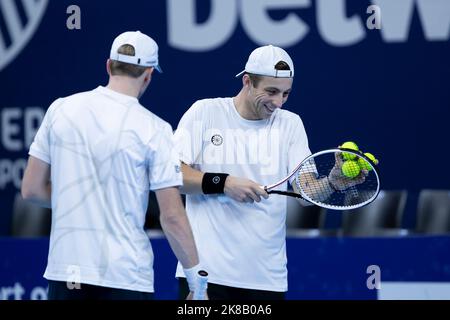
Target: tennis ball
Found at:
349, 145
350, 169
363, 164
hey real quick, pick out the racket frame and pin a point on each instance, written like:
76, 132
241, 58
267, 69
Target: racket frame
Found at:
304, 196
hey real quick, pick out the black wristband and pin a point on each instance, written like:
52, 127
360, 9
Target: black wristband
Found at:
213, 182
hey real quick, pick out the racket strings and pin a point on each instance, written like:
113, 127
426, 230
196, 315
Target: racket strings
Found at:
311, 183
312, 179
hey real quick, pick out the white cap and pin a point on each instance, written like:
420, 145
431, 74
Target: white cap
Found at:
146, 50
262, 62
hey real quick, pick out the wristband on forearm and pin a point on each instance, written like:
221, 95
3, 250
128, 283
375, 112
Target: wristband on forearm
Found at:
213, 183
191, 275
196, 278
201, 286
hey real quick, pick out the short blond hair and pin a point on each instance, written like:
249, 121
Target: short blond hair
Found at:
126, 69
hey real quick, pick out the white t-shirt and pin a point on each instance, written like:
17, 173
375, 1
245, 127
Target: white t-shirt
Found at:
106, 153
240, 244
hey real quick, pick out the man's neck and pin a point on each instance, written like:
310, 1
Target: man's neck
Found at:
124, 86
243, 107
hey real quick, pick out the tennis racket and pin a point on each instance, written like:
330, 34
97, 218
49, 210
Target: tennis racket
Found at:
319, 179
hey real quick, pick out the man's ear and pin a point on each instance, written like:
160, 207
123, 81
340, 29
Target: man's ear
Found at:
108, 66
246, 82
148, 74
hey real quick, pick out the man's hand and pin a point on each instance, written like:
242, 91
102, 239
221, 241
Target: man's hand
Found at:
244, 190
340, 182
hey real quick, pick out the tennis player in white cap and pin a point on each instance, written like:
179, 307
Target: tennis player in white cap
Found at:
229, 147
94, 160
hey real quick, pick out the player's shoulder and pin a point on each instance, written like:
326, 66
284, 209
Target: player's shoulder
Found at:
148, 118
70, 99
148, 125
289, 121
158, 122
79, 95
288, 116
210, 104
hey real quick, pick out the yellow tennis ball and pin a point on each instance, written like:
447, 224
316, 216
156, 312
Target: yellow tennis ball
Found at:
349, 145
363, 164
371, 157
350, 169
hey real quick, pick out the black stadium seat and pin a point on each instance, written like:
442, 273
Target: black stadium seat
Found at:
433, 212
304, 220
380, 218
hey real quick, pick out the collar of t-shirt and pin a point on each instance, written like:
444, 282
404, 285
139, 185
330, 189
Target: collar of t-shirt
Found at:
246, 122
120, 97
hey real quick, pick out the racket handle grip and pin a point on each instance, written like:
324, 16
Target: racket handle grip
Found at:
202, 285
285, 193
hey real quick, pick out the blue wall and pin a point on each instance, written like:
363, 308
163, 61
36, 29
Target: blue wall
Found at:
386, 89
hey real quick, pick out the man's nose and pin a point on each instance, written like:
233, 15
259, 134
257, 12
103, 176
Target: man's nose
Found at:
278, 101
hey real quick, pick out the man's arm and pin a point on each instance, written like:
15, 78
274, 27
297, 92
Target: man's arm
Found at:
239, 189
36, 186
176, 226
178, 231
192, 180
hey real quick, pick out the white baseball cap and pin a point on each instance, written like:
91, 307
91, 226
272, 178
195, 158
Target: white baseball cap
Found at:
262, 62
146, 50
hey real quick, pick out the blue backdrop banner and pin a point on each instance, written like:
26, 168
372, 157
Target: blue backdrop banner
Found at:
375, 72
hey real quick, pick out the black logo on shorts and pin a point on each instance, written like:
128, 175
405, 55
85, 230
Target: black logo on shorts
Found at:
217, 140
